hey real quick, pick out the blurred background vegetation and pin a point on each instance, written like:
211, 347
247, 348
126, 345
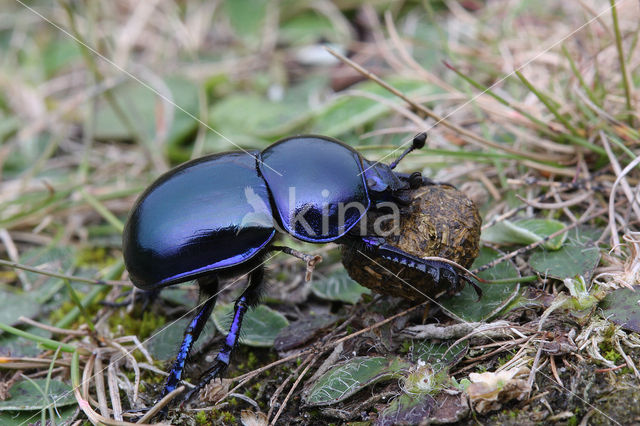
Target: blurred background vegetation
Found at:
530, 107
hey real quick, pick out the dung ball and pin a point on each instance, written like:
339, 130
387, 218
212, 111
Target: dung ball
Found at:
439, 221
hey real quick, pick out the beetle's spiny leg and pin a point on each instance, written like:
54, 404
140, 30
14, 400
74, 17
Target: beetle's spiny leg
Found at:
248, 299
475, 286
438, 270
191, 334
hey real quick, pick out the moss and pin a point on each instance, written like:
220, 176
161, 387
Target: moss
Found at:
93, 256
252, 361
625, 371
228, 418
61, 312
8, 276
141, 326
506, 357
406, 347
201, 418
609, 352
215, 416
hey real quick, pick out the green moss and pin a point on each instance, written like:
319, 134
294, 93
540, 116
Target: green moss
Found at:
609, 352
228, 418
201, 418
610, 332
94, 257
406, 347
136, 325
506, 358
625, 370
215, 416
61, 312
252, 361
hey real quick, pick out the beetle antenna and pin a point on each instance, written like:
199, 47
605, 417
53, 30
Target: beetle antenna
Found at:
418, 142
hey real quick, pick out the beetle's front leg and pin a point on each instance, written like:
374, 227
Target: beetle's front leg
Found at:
417, 179
438, 270
248, 299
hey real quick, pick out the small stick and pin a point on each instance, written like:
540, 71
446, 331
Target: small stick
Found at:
248, 376
293, 388
63, 276
52, 329
161, 404
554, 370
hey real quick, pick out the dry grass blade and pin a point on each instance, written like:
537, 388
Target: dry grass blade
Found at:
310, 364
470, 136
160, 405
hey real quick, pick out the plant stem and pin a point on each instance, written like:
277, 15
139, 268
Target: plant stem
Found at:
623, 66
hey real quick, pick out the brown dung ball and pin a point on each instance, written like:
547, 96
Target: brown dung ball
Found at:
440, 221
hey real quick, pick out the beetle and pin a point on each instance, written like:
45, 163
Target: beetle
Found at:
217, 217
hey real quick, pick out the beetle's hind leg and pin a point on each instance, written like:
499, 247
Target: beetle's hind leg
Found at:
248, 299
208, 289
135, 296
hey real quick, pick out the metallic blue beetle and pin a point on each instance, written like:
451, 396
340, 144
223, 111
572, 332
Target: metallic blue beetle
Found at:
216, 217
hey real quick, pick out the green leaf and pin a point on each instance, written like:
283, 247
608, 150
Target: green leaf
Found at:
622, 307
48, 289
579, 256
18, 346
60, 258
26, 396
247, 17
347, 113
303, 330
250, 114
351, 376
165, 341
140, 104
525, 231
63, 416
495, 298
60, 53
439, 354
340, 287
306, 28
260, 325
15, 305
407, 410
178, 296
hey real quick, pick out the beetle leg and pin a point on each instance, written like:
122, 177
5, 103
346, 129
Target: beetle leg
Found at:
310, 259
438, 270
416, 180
248, 299
145, 297
191, 333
